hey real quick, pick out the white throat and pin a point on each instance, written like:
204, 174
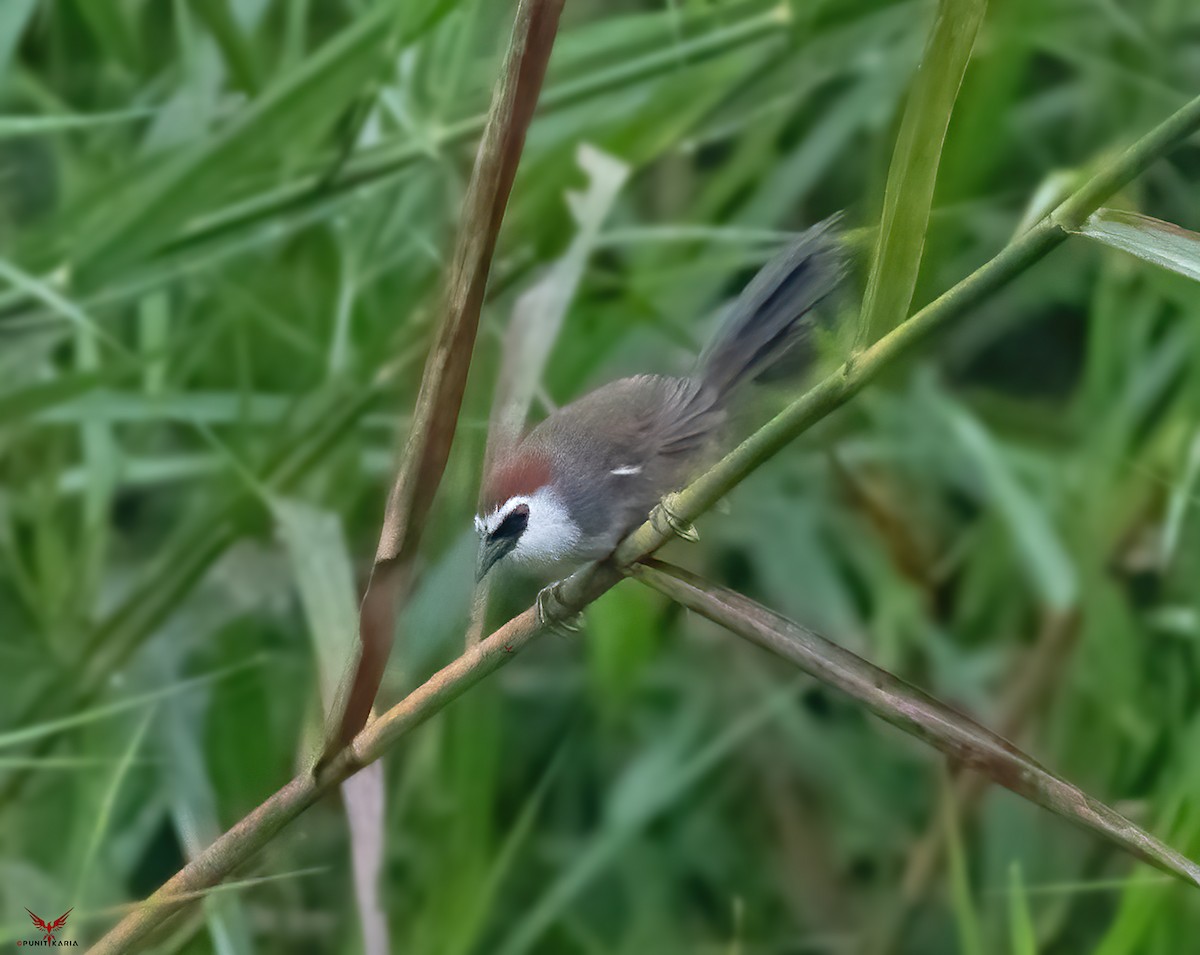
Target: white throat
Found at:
550, 534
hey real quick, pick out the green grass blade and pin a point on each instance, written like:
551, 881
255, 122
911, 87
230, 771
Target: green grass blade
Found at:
1020, 920
288, 115
469, 928
235, 45
193, 806
913, 172
1184, 501
1151, 240
966, 916
1048, 566
45, 292
44, 396
104, 818
14, 127
321, 567
37, 731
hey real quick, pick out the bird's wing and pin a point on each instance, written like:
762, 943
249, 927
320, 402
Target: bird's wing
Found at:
651, 422
623, 446
38, 922
61, 920
687, 417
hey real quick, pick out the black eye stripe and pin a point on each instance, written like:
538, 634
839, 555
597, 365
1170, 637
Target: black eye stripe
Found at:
514, 524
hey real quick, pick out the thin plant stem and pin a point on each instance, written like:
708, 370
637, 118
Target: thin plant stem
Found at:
965, 742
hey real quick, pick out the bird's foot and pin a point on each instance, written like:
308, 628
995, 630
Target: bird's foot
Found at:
552, 613
666, 520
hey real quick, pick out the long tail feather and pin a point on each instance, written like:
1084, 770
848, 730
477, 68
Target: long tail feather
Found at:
772, 317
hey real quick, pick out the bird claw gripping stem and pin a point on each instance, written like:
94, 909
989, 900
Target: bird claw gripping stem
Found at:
550, 607
666, 520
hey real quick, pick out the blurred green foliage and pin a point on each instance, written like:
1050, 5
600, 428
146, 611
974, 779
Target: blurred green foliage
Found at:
224, 225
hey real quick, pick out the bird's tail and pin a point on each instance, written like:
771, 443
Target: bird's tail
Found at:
773, 318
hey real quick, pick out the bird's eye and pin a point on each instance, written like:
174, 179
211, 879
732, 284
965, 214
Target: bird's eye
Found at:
514, 523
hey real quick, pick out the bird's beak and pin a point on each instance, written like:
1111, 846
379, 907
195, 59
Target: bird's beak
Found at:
492, 549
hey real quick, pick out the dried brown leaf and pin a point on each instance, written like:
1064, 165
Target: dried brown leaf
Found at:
967, 743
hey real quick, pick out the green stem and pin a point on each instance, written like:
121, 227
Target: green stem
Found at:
858, 371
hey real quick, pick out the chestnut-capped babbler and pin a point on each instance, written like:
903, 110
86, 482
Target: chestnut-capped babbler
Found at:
592, 471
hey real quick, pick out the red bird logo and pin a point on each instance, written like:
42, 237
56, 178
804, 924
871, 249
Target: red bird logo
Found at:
53, 926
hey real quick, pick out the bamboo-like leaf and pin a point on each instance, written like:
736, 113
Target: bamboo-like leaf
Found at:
1152, 240
966, 914
538, 314
36, 731
913, 172
1020, 920
440, 398
302, 104
104, 814
299, 200
1043, 556
959, 737
193, 806
12, 127
324, 576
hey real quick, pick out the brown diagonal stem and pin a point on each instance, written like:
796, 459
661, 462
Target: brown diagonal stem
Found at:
445, 376
967, 743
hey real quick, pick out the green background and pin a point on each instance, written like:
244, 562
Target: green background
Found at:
223, 224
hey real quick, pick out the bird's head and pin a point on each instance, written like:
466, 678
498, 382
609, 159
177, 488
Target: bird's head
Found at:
523, 515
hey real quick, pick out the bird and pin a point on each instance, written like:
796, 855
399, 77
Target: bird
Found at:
589, 473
